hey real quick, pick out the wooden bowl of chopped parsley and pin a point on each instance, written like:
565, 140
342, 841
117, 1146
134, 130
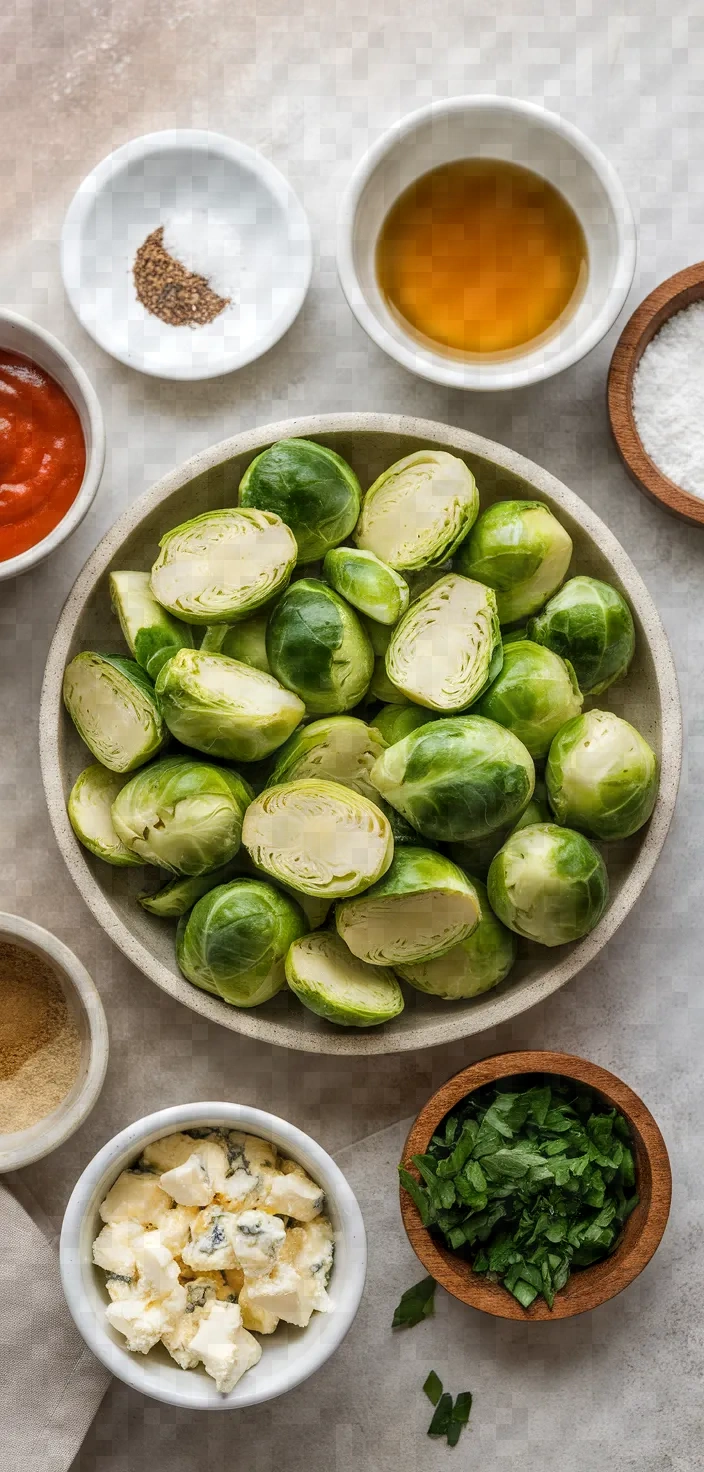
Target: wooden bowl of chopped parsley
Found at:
535, 1185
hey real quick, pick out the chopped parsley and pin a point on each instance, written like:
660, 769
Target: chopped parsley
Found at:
528, 1183
448, 1420
417, 1303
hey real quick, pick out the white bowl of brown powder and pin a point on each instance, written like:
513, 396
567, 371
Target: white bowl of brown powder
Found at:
53, 1042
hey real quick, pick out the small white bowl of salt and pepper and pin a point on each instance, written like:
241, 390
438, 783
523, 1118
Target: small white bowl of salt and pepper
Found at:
186, 254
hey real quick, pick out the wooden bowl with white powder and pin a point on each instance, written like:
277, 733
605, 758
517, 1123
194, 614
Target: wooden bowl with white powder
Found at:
53, 1042
656, 395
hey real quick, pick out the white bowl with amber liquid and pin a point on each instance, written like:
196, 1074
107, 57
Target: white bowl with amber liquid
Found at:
512, 133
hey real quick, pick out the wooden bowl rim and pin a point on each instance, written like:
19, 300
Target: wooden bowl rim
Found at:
670, 297
592, 1286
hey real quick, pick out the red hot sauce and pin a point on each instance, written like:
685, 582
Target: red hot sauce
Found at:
42, 454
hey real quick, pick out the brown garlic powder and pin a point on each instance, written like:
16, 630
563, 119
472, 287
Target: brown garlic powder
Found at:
40, 1048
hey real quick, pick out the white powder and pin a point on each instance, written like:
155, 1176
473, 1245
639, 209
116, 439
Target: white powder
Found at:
668, 399
205, 244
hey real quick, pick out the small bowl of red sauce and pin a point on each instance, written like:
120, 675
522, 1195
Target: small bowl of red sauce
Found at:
52, 444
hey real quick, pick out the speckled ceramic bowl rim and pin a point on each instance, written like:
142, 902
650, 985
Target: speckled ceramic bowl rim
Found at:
196, 1391
436, 1029
65, 1120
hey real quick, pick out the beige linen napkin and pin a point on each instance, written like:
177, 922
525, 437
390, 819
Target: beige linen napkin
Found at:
50, 1383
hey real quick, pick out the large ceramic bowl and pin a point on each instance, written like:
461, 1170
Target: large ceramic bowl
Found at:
370, 442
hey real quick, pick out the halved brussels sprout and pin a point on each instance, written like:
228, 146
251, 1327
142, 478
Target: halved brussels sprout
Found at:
548, 884
533, 696
419, 510
383, 689
311, 488
179, 896
457, 779
114, 709
235, 940
472, 967
602, 776
337, 748
224, 708
336, 985
223, 565
151, 634
184, 816
447, 647
319, 837
589, 623
421, 908
245, 642
316, 646
520, 549
89, 804
476, 857
371, 586
396, 721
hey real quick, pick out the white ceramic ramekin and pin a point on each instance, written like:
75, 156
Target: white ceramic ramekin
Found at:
19, 335
522, 133
86, 1009
288, 1356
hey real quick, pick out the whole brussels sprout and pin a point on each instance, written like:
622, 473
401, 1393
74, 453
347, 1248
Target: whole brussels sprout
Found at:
369, 585
602, 776
319, 837
534, 694
548, 884
393, 722
223, 565
114, 709
476, 857
234, 941
245, 642
336, 985
316, 646
379, 636
311, 488
151, 634
337, 748
423, 906
182, 815
458, 779
520, 549
474, 966
447, 647
89, 804
224, 708
589, 623
418, 511
383, 689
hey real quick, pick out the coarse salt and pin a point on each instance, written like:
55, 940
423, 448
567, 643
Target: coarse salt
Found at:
668, 399
205, 244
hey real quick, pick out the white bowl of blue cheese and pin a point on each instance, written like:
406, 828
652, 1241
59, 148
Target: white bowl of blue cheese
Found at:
213, 1256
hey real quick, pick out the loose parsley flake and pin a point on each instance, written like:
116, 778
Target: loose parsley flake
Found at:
417, 1303
433, 1387
448, 1420
528, 1183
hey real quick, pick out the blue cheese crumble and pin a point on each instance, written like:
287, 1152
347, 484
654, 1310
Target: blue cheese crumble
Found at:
210, 1239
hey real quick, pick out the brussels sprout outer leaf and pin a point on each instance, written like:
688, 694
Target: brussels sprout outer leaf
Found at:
152, 635
89, 804
235, 941
422, 907
534, 694
112, 704
317, 647
458, 779
589, 623
447, 647
180, 895
602, 776
419, 510
520, 549
371, 586
314, 491
548, 884
225, 708
245, 641
474, 966
336, 748
394, 721
223, 565
182, 815
336, 985
319, 837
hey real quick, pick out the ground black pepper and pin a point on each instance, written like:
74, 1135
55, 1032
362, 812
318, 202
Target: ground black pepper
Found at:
171, 292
